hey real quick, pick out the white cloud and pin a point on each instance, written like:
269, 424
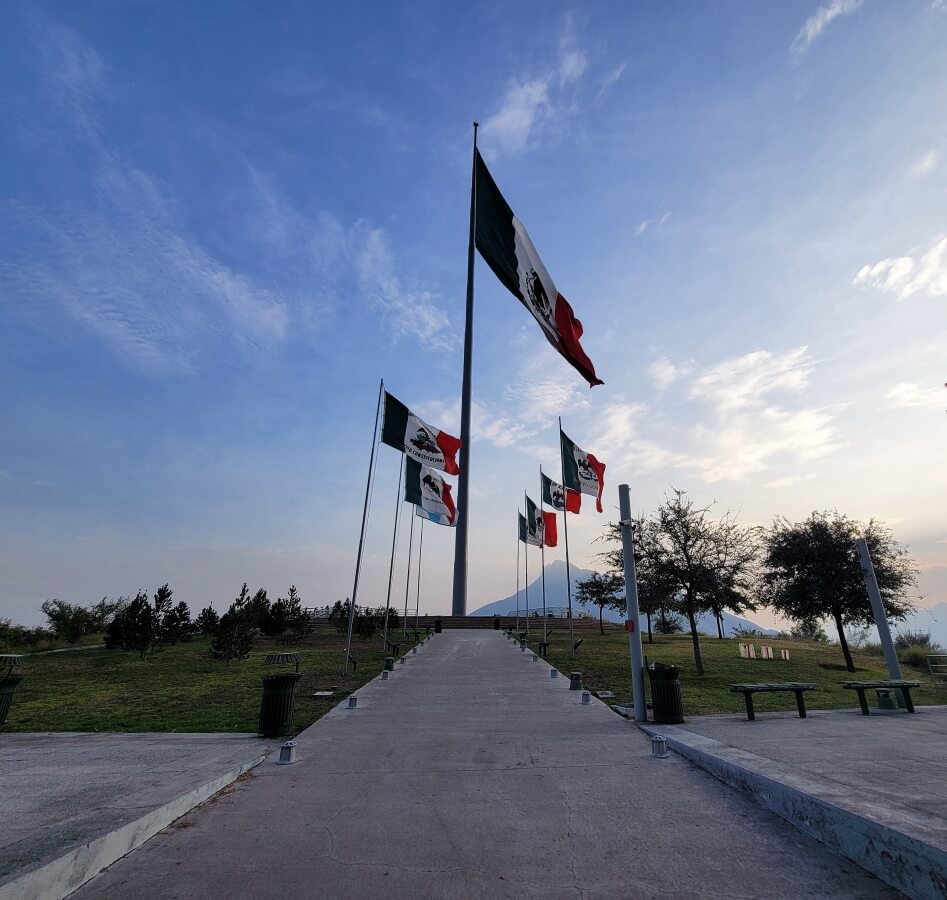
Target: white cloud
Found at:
906, 276
530, 102
788, 481
925, 165
816, 24
610, 79
908, 395
746, 380
657, 223
664, 373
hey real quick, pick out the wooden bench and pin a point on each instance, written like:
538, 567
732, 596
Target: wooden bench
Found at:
796, 687
899, 684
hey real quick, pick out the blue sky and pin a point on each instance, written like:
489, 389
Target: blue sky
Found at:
222, 223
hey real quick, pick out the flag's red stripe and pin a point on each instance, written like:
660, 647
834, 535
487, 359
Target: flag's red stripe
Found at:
549, 529
570, 331
573, 501
448, 502
600, 472
449, 446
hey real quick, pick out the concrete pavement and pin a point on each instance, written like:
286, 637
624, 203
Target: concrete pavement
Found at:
73, 803
472, 773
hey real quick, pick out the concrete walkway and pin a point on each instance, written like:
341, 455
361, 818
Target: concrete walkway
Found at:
472, 773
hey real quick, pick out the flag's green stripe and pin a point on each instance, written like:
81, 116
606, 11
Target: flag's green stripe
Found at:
412, 481
531, 515
396, 421
495, 237
522, 521
570, 469
547, 491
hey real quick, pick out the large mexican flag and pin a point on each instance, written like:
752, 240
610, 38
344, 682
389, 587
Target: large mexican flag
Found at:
581, 471
404, 431
425, 488
505, 246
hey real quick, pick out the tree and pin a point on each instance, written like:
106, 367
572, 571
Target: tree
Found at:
257, 608
146, 626
207, 621
601, 591
339, 616
286, 619
176, 626
811, 571
68, 621
234, 636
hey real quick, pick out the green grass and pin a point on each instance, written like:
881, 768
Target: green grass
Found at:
181, 688
604, 663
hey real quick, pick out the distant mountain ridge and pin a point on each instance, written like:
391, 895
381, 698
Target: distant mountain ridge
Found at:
556, 596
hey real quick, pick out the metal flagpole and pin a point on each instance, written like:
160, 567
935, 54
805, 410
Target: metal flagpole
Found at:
407, 583
542, 549
417, 602
565, 531
518, 542
361, 537
394, 541
526, 564
632, 615
459, 603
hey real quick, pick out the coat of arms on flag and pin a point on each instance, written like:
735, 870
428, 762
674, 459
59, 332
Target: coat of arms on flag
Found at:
581, 471
426, 489
560, 498
405, 431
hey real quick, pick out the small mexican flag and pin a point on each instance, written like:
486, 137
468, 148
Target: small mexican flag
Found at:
542, 525
582, 471
425, 488
558, 497
404, 431
506, 248
526, 536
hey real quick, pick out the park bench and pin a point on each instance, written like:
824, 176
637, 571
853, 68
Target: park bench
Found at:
899, 684
796, 687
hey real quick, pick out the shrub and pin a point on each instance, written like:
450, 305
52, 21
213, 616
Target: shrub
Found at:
207, 621
907, 639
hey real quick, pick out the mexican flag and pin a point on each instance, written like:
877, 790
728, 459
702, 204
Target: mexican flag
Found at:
558, 497
505, 246
542, 525
582, 471
526, 536
404, 431
437, 518
427, 490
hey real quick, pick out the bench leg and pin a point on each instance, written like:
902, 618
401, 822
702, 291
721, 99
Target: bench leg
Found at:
862, 701
801, 704
906, 693
750, 715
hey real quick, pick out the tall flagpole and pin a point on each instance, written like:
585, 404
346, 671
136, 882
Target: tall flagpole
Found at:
417, 602
526, 564
407, 581
459, 604
361, 536
542, 549
565, 529
394, 541
518, 542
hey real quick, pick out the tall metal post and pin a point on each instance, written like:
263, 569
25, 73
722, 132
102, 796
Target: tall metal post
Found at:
394, 541
417, 602
361, 537
542, 551
565, 532
526, 573
878, 608
407, 581
632, 616
459, 603
518, 542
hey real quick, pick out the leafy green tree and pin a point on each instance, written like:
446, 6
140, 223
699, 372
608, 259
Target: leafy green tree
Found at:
339, 616
811, 571
299, 622
601, 591
207, 621
234, 636
134, 628
257, 608
68, 621
176, 626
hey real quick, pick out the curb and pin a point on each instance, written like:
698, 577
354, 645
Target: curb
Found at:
882, 845
59, 878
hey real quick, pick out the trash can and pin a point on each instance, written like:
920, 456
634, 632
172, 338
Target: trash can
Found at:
278, 703
667, 705
496, 623
8, 683
438, 626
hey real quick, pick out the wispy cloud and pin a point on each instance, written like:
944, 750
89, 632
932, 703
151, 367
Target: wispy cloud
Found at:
908, 395
906, 276
530, 102
664, 373
925, 165
657, 224
747, 380
815, 25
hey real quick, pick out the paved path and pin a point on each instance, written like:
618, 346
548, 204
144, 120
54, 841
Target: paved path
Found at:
472, 773
60, 791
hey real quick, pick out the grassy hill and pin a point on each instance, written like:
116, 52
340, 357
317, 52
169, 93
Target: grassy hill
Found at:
181, 688
604, 663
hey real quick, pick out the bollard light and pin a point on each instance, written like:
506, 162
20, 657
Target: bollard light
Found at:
522, 648
415, 650
353, 702
385, 674
586, 698
287, 753
659, 746
535, 657
553, 673
403, 660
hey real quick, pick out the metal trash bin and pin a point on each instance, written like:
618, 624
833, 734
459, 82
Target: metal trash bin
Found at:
8, 683
667, 704
278, 703
438, 626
